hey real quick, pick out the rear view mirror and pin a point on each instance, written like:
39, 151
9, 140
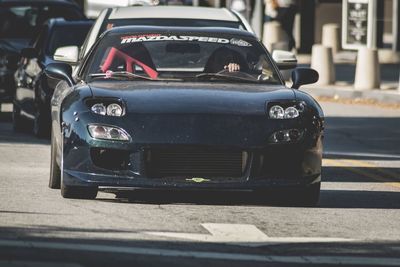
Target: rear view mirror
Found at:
67, 54
60, 71
183, 48
284, 59
301, 76
29, 52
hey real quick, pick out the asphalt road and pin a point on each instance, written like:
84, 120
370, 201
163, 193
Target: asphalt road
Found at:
356, 223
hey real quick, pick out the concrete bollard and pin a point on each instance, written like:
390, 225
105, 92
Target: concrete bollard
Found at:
272, 34
367, 70
322, 61
331, 36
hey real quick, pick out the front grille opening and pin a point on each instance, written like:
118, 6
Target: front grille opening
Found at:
110, 159
162, 163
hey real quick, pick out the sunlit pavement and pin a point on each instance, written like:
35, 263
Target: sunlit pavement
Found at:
356, 222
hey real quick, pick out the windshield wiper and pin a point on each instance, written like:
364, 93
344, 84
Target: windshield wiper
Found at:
120, 74
234, 76
129, 75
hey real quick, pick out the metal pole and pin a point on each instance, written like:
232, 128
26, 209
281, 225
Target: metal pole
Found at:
396, 26
380, 16
398, 87
195, 2
217, 3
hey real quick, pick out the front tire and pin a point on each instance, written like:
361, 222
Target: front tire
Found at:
55, 171
305, 196
76, 192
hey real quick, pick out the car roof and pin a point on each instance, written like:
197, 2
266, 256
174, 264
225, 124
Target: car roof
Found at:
61, 21
177, 12
183, 30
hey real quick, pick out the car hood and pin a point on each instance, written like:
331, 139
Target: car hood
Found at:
179, 97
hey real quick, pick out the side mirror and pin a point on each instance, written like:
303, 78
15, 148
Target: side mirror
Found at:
29, 52
301, 76
284, 59
67, 54
60, 71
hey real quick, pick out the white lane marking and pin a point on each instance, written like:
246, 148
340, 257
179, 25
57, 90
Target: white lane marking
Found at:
339, 260
242, 234
223, 233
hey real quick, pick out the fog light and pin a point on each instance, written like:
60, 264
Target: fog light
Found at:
286, 136
99, 131
279, 136
108, 132
294, 134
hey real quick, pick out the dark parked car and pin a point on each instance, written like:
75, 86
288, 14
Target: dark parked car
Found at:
33, 88
198, 108
20, 21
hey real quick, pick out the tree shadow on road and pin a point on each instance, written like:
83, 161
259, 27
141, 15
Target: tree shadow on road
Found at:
344, 199
57, 245
7, 134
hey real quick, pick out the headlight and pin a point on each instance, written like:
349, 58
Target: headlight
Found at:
278, 112
99, 109
113, 109
108, 132
291, 112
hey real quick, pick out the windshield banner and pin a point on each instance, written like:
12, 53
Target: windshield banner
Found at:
159, 37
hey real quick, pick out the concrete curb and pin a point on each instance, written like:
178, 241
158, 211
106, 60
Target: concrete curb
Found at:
348, 92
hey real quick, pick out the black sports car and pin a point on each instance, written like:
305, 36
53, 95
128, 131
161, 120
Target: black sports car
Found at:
202, 108
33, 89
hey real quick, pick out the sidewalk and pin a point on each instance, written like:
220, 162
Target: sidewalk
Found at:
345, 71
348, 92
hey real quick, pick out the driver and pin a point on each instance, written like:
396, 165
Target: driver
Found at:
224, 59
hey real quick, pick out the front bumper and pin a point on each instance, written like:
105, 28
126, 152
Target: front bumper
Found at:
269, 166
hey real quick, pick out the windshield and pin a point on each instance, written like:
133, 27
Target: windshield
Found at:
66, 35
181, 57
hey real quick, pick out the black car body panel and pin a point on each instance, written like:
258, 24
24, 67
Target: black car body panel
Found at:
17, 32
185, 120
209, 134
